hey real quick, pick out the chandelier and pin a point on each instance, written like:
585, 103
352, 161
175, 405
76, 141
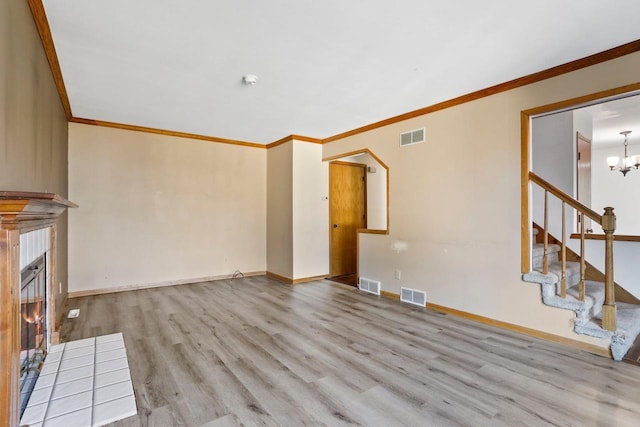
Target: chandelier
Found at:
628, 162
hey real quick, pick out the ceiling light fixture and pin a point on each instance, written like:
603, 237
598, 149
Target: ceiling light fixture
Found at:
249, 79
628, 162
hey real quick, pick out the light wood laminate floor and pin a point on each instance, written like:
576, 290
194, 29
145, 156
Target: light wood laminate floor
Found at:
258, 352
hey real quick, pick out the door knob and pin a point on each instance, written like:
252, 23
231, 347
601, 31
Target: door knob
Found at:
335, 225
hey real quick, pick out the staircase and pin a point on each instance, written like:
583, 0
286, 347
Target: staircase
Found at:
589, 311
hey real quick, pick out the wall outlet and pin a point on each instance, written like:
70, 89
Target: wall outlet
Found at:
398, 274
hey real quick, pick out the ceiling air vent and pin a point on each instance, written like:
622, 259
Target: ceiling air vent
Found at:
412, 137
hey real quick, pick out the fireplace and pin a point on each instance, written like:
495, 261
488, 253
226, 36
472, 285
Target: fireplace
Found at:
27, 292
34, 338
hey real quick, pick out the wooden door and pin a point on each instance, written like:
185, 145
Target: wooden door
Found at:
583, 174
347, 213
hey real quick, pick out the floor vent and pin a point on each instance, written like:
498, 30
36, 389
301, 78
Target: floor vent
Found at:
412, 137
368, 285
413, 296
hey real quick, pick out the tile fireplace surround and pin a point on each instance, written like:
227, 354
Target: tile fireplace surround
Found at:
82, 383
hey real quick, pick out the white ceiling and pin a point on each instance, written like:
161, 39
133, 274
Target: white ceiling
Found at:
324, 66
611, 118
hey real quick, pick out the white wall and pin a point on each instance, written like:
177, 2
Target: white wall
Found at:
553, 159
376, 194
610, 188
461, 217
310, 211
623, 193
552, 151
157, 208
583, 123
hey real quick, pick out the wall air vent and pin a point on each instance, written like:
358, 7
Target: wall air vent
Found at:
368, 285
412, 137
413, 296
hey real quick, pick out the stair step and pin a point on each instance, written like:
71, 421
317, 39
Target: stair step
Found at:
538, 249
585, 310
554, 274
628, 328
572, 272
593, 291
538, 253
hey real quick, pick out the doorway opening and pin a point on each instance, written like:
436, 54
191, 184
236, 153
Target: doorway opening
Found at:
373, 218
347, 215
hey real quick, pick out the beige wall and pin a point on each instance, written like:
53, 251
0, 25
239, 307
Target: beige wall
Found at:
157, 209
280, 210
310, 211
33, 126
456, 200
297, 211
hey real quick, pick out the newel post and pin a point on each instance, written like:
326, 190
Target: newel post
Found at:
609, 307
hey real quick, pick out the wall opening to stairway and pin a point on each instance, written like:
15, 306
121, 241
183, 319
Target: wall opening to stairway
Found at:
570, 150
552, 160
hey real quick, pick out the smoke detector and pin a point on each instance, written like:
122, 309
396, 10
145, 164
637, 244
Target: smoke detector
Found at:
249, 79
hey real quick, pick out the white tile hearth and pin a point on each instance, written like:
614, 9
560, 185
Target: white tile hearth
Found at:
83, 383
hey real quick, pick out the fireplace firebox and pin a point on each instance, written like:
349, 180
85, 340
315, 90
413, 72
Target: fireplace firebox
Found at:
33, 325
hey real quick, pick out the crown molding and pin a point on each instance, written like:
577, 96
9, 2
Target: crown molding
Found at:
296, 138
568, 67
165, 132
42, 24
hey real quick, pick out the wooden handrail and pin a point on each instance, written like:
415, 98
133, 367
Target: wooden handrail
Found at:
616, 238
566, 198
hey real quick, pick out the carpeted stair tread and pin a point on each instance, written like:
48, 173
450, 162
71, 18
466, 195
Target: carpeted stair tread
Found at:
553, 277
628, 328
554, 274
573, 267
592, 290
593, 328
585, 310
538, 254
536, 276
538, 249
